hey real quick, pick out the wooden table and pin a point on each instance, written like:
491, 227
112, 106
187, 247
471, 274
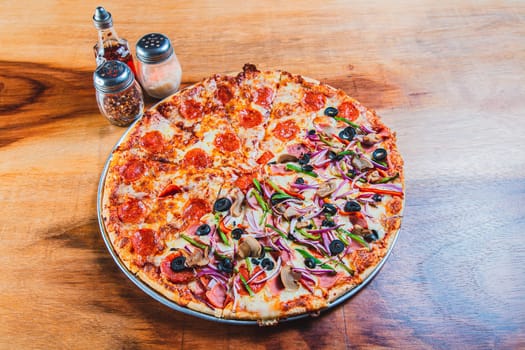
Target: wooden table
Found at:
448, 76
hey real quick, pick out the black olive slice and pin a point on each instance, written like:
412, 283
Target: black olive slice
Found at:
225, 265
177, 264
304, 159
347, 133
310, 263
352, 206
203, 230
329, 209
377, 197
327, 223
336, 247
237, 233
373, 236
222, 204
379, 154
331, 112
267, 264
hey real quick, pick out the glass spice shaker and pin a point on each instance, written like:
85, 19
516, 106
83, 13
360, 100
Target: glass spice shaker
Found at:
119, 96
158, 68
109, 46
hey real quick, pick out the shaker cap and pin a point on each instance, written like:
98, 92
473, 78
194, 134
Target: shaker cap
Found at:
112, 77
102, 18
154, 48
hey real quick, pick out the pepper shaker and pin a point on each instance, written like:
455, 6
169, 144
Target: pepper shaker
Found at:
119, 96
158, 68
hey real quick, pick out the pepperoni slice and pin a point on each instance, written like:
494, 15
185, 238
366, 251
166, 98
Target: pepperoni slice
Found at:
245, 181
286, 130
224, 94
314, 101
170, 190
250, 118
327, 281
153, 141
194, 209
264, 97
228, 142
255, 287
133, 170
216, 295
183, 276
348, 110
131, 211
265, 158
197, 158
191, 109
143, 242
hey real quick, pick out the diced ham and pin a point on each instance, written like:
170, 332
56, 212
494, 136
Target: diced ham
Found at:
216, 295
298, 150
278, 169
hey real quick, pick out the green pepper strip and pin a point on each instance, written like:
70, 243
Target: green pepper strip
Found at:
281, 233
299, 170
307, 235
261, 201
347, 122
223, 237
257, 185
356, 238
346, 268
249, 265
307, 255
342, 238
221, 256
221, 234
274, 186
388, 178
325, 141
344, 153
193, 242
246, 285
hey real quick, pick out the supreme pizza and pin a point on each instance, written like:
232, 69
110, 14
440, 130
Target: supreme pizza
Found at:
254, 196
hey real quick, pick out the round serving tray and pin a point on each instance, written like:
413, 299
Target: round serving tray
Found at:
169, 303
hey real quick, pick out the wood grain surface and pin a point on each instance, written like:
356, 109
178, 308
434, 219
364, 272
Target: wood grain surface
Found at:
448, 76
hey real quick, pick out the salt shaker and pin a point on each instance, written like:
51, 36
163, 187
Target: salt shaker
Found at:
119, 96
158, 68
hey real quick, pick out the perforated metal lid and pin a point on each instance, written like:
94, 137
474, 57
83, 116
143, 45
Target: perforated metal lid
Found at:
112, 76
102, 18
154, 48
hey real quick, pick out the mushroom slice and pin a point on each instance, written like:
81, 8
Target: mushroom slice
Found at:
291, 212
362, 163
197, 258
326, 188
287, 158
374, 176
290, 278
360, 230
238, 199
370, 139
250, 247
302, 224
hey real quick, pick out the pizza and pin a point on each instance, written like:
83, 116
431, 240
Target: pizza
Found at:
254, 196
